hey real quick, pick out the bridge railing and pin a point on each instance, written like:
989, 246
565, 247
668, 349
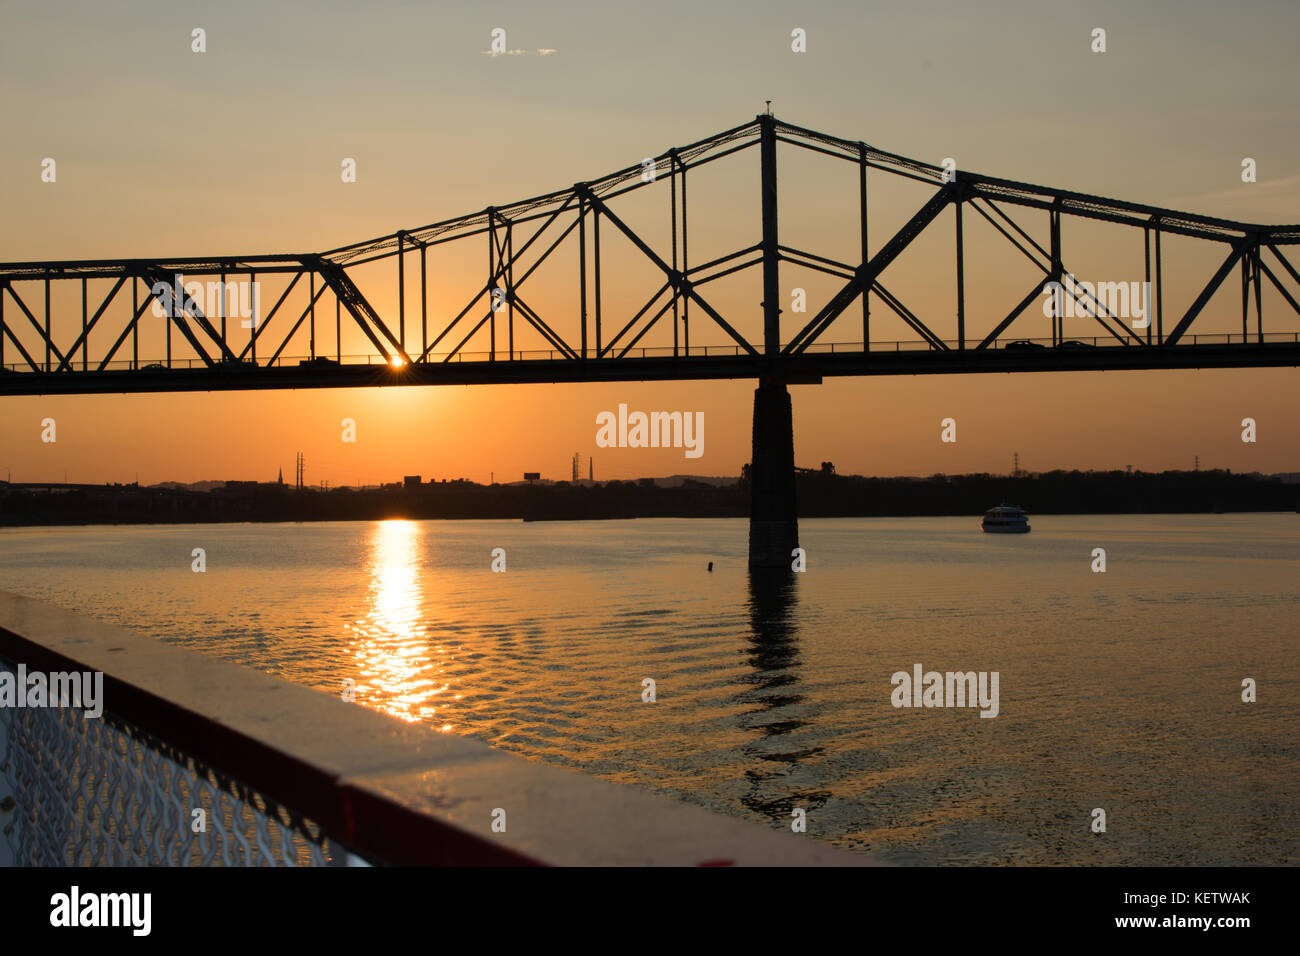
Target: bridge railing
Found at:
703, 351
181, 759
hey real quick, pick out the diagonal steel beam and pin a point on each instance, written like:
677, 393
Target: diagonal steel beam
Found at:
648, 326
13, 338
974, 204
297, 325
45, 339
908, 316
1089, 310
1001, 327
362, 312
1278, 285
153, 275
680, 284
262, 324
126, 330
513, 258
609, 346
1282, 259
85, 333
865, 275
1210, 288
547, 332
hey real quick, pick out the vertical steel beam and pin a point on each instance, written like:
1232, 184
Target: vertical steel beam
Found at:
1160, 291
424, 301
595, 222
771, 256
582, 267
401, 292
135, 322
961, 280
866, 255
47, 323
672, 216
492, 279
510, 286
252, 317
1146, 252
1259, 302
311, 306
686, 271
1245, 296
338, 329
1058, 273
84, 306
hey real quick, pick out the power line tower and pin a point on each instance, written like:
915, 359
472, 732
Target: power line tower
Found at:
301, 464
577, 467
1015, 467
1196, 464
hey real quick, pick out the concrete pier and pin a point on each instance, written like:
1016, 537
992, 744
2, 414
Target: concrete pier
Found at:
773, 516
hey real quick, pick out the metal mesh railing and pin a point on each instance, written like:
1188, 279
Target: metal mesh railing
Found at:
76, 791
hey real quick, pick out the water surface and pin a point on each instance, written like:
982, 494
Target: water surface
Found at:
1119, 690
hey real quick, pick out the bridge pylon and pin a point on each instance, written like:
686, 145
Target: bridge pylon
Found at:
773, 515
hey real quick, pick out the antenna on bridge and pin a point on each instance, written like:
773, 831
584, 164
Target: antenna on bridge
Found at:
769, 107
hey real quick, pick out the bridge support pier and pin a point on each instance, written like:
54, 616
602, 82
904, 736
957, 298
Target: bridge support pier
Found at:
773, 517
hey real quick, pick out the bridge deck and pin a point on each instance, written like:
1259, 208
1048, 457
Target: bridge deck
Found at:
804, 368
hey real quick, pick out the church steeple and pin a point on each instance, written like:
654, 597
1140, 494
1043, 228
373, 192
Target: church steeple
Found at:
280, 480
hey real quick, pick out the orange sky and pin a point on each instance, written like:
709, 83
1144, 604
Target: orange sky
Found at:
164, 152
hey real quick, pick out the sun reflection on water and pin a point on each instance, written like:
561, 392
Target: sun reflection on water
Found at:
395, 662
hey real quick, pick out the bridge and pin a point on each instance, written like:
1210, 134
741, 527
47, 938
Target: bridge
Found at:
176, 329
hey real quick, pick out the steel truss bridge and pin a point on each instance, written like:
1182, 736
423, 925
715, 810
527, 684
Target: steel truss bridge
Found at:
75, 342
91, 343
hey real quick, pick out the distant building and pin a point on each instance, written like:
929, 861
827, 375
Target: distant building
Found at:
410, 481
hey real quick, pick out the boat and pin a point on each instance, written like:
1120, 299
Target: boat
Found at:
1005, 519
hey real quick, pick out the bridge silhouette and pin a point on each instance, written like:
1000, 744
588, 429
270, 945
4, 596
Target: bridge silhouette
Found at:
503, 334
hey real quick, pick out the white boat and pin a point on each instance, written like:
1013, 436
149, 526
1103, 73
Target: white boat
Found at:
1005, 519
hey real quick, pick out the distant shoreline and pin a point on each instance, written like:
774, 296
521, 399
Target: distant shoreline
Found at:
821, 495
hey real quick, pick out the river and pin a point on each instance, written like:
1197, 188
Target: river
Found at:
1119, 691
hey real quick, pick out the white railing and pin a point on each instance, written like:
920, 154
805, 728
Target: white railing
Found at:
101, 792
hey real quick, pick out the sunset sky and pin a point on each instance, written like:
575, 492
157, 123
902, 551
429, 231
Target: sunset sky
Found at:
164, 152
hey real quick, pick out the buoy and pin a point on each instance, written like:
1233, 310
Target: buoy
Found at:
710, 565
